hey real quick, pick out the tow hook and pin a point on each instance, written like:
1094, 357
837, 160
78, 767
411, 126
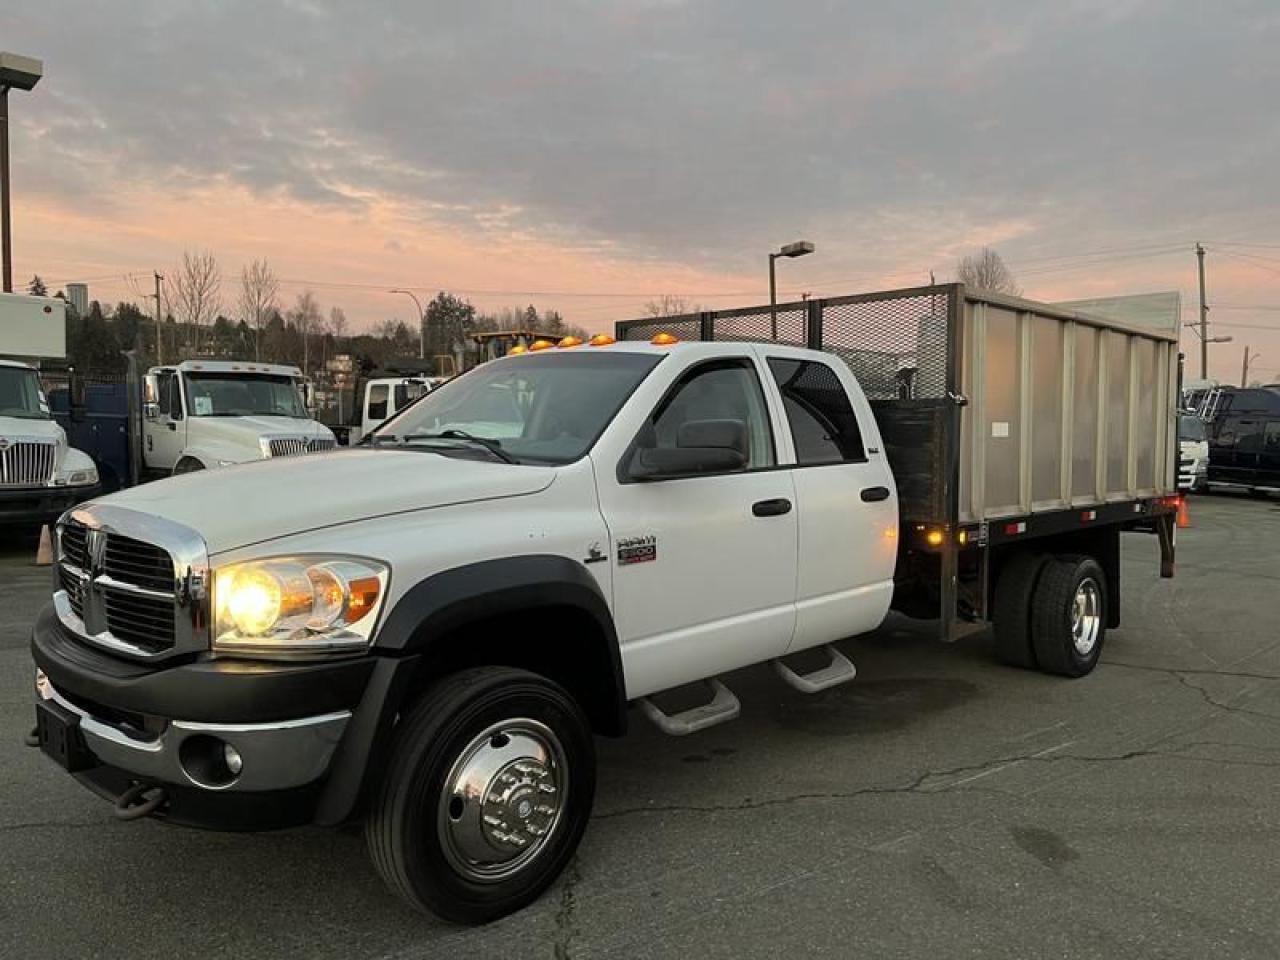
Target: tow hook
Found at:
140, 800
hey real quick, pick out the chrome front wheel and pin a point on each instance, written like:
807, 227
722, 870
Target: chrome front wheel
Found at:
486, 793
503, 800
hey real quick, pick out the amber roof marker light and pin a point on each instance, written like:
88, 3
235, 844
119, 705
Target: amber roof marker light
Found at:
601, 340
567, 342
664, 340
541, 345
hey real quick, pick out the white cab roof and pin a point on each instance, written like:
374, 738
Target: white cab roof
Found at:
233, 366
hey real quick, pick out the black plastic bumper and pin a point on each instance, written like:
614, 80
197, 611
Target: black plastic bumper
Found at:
230, 692
42, 505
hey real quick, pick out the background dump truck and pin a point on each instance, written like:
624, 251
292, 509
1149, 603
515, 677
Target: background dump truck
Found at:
1017, 432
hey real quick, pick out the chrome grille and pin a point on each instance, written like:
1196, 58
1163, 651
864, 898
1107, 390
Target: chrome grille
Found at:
320, 444
119, 588
288, 446
138, 563
27, 463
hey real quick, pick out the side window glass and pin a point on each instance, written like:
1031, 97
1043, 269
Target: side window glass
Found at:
163, 390
378, 401
1273, 436
824, 427
720, 391
175, 398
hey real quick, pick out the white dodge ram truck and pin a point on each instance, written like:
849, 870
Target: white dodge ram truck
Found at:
426, 631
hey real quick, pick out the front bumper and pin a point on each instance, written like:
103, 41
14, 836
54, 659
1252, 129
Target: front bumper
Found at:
42, 505
287, 722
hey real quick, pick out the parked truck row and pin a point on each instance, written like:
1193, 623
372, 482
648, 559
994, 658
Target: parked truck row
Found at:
424, 633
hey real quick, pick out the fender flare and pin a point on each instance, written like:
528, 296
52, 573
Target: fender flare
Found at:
428, 612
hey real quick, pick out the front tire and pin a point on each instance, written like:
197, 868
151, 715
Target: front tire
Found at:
1069, 615
187, 465
486, 796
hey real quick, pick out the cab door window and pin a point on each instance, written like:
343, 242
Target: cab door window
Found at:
824, 427
378, 394
721, 390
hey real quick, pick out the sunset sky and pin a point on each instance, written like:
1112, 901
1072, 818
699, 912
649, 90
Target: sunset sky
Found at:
590, 156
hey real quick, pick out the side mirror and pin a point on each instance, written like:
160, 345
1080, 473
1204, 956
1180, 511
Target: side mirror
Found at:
702, 447
151, 389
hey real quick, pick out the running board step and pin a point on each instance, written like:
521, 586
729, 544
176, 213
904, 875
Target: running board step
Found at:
839, 670
724, 706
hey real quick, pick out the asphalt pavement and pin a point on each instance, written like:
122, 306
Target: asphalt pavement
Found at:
938, 806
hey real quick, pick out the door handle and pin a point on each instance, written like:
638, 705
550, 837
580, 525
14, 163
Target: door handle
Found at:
875, 494
771, 508
172, 426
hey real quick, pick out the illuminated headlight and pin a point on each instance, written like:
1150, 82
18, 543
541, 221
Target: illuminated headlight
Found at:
297, 606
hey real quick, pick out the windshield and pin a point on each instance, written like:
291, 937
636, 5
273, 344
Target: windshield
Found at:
540, 408
243, 395
1191, 428
20, 394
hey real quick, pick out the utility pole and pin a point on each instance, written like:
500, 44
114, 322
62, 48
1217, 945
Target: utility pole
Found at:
1244, 371
159, 328
1204, 319
6, 238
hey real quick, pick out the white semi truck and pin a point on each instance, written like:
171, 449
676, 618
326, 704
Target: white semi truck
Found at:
41, 475
203, 414
426, 632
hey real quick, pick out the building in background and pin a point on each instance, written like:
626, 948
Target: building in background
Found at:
78, 297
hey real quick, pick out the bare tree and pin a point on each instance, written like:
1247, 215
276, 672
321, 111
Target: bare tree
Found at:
196, 292
670, 305
306, 317
987, 271
338, 326
259, 289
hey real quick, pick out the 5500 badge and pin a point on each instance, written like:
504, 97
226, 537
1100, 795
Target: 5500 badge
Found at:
637, 550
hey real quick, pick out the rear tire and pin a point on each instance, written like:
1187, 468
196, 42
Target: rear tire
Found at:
471, 855
1013, 601
1069, 615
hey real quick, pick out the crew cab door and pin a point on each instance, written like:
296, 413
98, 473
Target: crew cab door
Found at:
165, 433
704, 565
846, 499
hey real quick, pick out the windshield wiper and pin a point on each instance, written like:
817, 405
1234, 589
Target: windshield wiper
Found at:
493, 446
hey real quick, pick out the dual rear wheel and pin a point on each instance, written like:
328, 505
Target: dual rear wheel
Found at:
1051, 613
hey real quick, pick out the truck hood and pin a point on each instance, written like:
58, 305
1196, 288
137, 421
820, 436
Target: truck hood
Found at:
30, 428
245, 431
236, 506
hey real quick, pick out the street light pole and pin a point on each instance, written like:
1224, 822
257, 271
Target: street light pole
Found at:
22, 73
422, 322
800, 248
1204, 319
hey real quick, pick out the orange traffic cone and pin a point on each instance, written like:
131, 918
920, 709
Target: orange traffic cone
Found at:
44, 552
1184, 514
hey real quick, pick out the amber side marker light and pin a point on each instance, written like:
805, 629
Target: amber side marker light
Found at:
934, 538
568, 342
664, 340
601, 340
541, 345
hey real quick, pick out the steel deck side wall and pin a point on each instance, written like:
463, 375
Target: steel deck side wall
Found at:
993, 349
1003, 339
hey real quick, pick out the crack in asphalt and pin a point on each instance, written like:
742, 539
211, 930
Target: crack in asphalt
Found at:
922, 785
566, 927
